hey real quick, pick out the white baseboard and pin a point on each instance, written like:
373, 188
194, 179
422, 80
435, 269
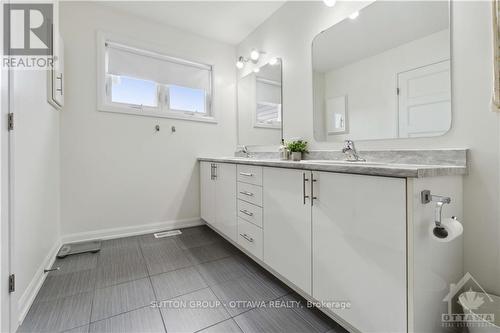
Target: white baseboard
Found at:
26, 300
130, 231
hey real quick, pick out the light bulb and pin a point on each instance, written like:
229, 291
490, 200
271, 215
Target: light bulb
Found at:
330, 3
254, 54
354, 15
273, 61
256, 70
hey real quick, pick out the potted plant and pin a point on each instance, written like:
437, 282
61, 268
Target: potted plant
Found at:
297, 147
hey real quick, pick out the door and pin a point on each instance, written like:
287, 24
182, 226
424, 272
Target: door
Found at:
207, 190
425, 101
287, 224
359, 249
225, 193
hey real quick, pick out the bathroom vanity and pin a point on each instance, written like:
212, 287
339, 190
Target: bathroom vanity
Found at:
354, 238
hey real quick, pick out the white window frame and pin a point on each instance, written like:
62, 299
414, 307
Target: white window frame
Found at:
105, 104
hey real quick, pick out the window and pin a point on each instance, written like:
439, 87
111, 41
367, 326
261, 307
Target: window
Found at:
146, 83
128, 90
187, 99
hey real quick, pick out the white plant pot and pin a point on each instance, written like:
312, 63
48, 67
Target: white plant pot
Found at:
296, 155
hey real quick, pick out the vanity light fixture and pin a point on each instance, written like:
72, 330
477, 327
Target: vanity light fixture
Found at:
354, 15
330, 3
254, 54
241, 62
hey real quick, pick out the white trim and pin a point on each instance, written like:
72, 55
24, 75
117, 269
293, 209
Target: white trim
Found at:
144, 113
131, 230
27, 298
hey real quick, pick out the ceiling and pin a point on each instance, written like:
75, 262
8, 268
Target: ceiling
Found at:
226, 21
380, 26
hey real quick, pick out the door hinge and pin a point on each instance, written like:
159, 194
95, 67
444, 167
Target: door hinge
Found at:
10, 121
12, 283
397, 91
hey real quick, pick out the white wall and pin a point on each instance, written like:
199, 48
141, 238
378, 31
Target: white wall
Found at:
289, 32
370, 85
117, 172
36, 182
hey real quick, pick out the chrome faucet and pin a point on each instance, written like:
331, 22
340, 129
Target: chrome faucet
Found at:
243, 150
350, 152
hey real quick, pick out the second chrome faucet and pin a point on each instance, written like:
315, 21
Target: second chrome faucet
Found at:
350, 152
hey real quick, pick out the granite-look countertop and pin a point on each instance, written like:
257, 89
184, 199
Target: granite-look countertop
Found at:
363, 168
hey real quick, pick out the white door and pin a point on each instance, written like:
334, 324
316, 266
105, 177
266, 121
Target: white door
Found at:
425, 101
225, 193
207, 190
359, 249
287, 224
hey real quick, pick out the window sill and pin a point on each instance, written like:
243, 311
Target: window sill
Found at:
146, 113
268, 126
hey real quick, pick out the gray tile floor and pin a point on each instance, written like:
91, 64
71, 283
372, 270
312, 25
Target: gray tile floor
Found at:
194, 282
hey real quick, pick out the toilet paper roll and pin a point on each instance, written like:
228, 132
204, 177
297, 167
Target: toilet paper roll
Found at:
453, 226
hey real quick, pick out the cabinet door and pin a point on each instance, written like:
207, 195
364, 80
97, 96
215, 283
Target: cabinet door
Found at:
207, 193
287, 225
225, 193
359, 249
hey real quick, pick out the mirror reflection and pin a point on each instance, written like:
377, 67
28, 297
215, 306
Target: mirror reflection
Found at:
384, 73
259, 105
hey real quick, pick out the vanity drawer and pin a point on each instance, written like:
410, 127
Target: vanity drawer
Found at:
250, 238
250, 174
250, 193
250, 212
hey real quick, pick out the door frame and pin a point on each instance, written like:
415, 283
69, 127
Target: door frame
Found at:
8, 307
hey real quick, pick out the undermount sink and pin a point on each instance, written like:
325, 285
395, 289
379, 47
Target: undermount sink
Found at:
343, 162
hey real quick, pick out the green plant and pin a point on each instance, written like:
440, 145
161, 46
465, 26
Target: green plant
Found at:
298, 146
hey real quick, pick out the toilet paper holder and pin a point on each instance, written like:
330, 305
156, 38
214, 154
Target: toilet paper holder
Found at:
426, 197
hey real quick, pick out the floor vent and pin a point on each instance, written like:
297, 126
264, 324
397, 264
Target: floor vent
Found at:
167, 233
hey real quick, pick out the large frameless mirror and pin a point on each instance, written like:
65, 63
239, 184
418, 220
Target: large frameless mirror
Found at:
384, 73
260, 105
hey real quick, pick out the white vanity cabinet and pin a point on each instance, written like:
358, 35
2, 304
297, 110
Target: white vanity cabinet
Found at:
287, 225
218, 197
359, 245
359, 249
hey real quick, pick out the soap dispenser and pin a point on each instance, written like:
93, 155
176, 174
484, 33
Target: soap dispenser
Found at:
284, 152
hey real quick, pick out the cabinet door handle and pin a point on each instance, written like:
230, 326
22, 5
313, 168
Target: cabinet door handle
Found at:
312, 189
304, 180
250, 194
246, 212
248, 238
215, 171
212, 171
247, 174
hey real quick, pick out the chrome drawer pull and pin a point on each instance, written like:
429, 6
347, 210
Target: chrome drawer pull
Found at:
246, 212
250, 239
246, 174
250, 194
